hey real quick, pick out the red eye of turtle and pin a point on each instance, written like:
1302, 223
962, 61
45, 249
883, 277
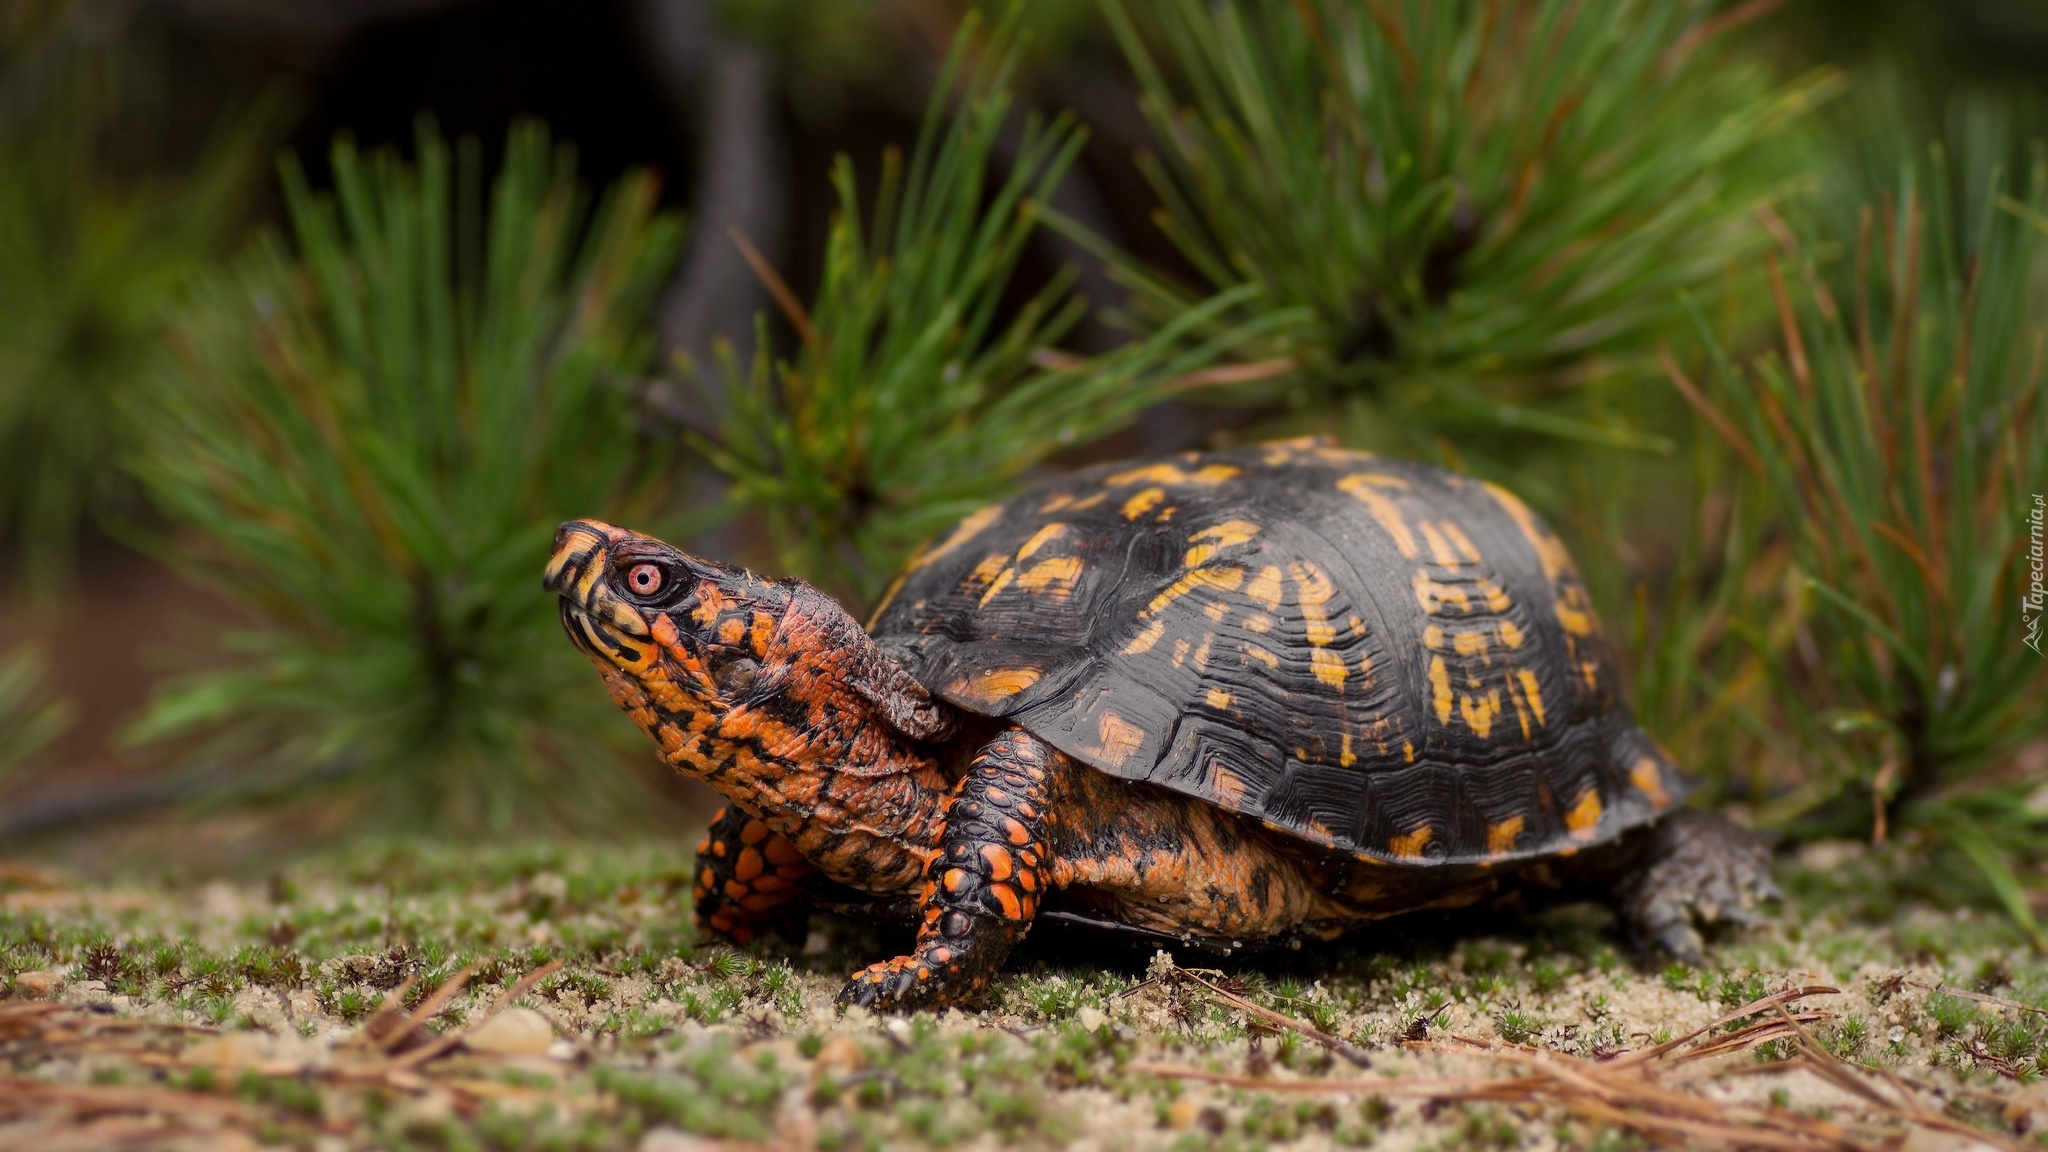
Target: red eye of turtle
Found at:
644, 579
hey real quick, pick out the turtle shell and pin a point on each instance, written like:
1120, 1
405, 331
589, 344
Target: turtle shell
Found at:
1373, 655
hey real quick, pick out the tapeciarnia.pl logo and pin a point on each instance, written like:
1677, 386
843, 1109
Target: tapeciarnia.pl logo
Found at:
2036, 599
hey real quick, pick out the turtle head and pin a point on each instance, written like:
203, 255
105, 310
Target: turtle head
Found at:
718, 665
665, 629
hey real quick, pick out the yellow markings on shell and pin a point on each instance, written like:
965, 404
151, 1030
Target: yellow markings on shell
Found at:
1002, 581
1056, 575
1459, 540
1254, 621
1501, 837
1172, 474
1217, 611
1226, 578
1532, 693
1649, 780
1145, 639
1345, 756
1317, 831
1328, 667
1440, 689
1479, 712
1059, 502
1494, 595
1433, 637
1262, 655
1143, 502
996, 684
1180, 650
1471, 643
1320, 633
1381, 509
1408, 751
1410, 846
1040, 539
1510, 635
1316, 589
1583, 820
1119, 738
1227, 785
991, 565
1212, 540
1574, 620
1229, 532
1441, 552
969, 527
1265, 588
1219, 699
1202, 653
1431, 594
1591, 672
1090, 501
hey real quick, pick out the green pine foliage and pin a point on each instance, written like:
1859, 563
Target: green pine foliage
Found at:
911, 396
1896, 431
92, 254
29, 721
1477, 203
368, 443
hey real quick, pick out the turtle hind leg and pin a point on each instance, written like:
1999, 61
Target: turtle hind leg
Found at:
750, 881
1691, 872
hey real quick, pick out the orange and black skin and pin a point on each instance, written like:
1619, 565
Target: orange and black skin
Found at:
751, 880
1237, 698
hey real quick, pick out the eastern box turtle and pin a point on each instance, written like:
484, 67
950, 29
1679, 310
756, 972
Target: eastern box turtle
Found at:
1251, 696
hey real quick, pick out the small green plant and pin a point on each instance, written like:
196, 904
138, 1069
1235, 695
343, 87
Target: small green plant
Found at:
1469, 204
370, 442
910, 397
1896, 434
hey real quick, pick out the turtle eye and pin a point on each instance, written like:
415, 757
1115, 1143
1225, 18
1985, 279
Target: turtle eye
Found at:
645, 579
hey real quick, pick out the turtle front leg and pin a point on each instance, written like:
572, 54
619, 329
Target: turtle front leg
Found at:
751, 880
982, 889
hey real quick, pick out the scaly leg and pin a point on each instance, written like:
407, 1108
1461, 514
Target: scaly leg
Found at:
750, 880
982, 889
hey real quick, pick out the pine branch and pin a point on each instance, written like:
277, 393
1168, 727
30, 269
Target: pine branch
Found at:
912, 397
371, 442
1474, 202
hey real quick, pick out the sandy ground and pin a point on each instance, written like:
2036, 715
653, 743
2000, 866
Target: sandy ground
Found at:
554, 997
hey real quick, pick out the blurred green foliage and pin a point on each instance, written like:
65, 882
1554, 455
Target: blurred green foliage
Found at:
1478, 204
95, 243
28, 720
1896, 433
368, 445
911, 396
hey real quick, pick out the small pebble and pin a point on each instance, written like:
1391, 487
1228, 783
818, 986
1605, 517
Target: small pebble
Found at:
38, 985
1091, 1018
228, 1050
513, 1032
841, 1054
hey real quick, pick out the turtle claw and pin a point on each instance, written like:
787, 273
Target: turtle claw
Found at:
1702, 872
906, 984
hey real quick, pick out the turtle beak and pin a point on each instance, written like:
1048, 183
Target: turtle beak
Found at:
597, 620
577, 564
